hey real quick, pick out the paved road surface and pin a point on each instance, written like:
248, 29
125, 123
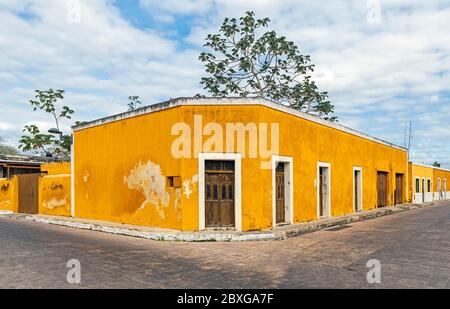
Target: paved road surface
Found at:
413, 248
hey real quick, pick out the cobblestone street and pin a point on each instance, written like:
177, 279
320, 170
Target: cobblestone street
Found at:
413, 248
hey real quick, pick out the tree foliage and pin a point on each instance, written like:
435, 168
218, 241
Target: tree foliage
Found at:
39, 142
6, 149
436, 164
134, 102
246, 61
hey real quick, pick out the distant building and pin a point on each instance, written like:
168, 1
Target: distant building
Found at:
16, 165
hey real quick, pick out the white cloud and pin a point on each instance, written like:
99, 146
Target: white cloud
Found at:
378, 75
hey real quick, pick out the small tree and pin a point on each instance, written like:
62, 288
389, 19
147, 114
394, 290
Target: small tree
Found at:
39, 142
6, 149
436, 164
133, 102
247, 62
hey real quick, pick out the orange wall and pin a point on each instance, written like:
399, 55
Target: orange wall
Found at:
55, 195
56, 168
9, 194
441, 174
121, 168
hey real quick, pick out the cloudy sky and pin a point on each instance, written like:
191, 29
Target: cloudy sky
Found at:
383, 62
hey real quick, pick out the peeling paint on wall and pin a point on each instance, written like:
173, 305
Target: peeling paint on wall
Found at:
86, 176
189, 186
5, 204
53, 203
149, 180
176, 203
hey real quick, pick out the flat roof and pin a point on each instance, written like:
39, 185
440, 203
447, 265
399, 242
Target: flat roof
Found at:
194, 101
431, 166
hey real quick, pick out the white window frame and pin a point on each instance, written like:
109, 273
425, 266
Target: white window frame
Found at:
417, 188
360, 170
288, 193
237, 158
319, 165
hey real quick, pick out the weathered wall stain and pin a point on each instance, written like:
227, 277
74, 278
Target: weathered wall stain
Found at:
148, 179
176, 204
86, 176
53, 203
9, 197
55, 194
189, 186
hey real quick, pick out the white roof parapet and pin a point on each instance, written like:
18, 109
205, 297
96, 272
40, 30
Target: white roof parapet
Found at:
190, 101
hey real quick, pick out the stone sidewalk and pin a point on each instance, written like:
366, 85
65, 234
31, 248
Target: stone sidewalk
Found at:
279, 233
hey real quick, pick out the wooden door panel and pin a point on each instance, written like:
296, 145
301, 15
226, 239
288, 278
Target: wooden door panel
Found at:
382, 189
219, 199
280, 197
28, 193
399, 189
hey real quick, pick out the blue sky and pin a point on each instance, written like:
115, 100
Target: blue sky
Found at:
384, 63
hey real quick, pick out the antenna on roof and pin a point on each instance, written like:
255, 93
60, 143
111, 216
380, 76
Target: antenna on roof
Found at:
407, 136
410, 136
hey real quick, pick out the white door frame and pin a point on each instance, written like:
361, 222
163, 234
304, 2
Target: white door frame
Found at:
423, 189
360, 170
237, 158
289, 188
327, 165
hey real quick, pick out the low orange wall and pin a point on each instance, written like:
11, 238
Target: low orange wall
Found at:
55, 195
56, 168
9, 194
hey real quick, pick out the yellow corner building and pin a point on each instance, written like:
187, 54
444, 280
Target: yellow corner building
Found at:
229, 163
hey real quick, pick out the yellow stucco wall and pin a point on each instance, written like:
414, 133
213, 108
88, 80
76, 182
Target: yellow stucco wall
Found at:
56, 168
9, 197
121, 168
443, 175
419, 171
55, 195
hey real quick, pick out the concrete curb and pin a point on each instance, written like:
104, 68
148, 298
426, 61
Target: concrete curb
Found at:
277, 234
162, 236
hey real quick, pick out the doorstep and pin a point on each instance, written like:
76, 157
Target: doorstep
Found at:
279, 233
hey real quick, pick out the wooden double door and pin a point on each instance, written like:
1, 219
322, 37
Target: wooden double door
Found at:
219, 199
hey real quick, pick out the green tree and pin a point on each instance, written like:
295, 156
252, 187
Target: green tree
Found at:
246, 61
6, 149
38, 142
133, 102
436, 164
